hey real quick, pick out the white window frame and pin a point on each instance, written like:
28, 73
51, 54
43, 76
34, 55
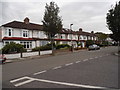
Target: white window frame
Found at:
7, 42
26, 44
25, 33
8, 32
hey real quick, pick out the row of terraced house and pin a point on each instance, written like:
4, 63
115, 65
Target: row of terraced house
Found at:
31, 35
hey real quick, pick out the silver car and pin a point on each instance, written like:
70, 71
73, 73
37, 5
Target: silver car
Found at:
93, 47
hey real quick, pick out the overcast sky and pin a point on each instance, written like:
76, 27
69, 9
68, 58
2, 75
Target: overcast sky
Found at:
90, 16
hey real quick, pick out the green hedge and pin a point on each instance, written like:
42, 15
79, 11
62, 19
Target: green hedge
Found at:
13, 48
49, 47
59, 46
42, 48
89, 42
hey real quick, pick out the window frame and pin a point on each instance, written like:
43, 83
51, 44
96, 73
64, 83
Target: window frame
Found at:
25, 33
26, 44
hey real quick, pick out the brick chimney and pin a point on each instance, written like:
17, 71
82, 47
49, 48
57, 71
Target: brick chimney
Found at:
80, 29
92, 32
26, 20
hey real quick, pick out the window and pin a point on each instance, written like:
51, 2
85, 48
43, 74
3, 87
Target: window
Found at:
25, 33
9, 32
84, 37
26, 44
6, 32
76, 37
7, 42
80, 37
30, 44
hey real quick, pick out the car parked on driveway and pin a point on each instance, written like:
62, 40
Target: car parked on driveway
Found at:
2, 58
94, 47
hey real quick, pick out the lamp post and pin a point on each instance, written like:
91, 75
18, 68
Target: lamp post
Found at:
71, 38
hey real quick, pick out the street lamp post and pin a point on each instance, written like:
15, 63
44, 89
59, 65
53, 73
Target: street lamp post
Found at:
71, 38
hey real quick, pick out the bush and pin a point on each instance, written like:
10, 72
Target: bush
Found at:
104, 43
46, 47
89, 42
49, 47
36, 49
62, 46
42, 48
13, 48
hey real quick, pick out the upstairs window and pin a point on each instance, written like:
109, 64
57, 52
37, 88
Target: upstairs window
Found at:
84, 37
25, 33
9, 32
61, 37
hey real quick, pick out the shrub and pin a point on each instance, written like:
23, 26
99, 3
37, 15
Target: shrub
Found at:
62, 46
89, 42
103, 43
13, 48
46, 47
36, 49
49, 47
42, 48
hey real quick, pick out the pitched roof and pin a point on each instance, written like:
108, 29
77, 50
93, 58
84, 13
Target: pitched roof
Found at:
32, 26
22, 25
68, 31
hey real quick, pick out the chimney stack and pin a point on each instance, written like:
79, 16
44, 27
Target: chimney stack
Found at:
92, 32
26, 20
80, 29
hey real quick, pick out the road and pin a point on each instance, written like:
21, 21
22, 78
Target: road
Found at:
84, 69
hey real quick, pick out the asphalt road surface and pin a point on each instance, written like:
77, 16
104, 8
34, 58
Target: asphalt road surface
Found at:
84, 69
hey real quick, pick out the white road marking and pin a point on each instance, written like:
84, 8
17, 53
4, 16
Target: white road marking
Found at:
96, 57
107, 54
40, 72
21, 83
57, 67
91, 58
60, 83
100, 56
68, 64
77, 61
25, 82
12, 81
85, 60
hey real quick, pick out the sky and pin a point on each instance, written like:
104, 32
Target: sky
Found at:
90, 15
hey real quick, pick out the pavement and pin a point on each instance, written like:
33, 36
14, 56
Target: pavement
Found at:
48, 54
85, 69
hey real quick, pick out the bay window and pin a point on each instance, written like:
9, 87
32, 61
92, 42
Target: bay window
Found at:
26, 44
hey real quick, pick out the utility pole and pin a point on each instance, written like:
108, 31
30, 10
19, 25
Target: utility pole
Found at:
71, 38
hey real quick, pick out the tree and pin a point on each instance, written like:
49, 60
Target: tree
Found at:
52, 23
101, 36
113, 21
89, 42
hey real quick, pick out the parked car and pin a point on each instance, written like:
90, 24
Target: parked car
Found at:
94, 47
2, 58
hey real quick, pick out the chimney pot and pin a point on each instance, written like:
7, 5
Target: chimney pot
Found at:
92, 31
26, 20
80, 29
